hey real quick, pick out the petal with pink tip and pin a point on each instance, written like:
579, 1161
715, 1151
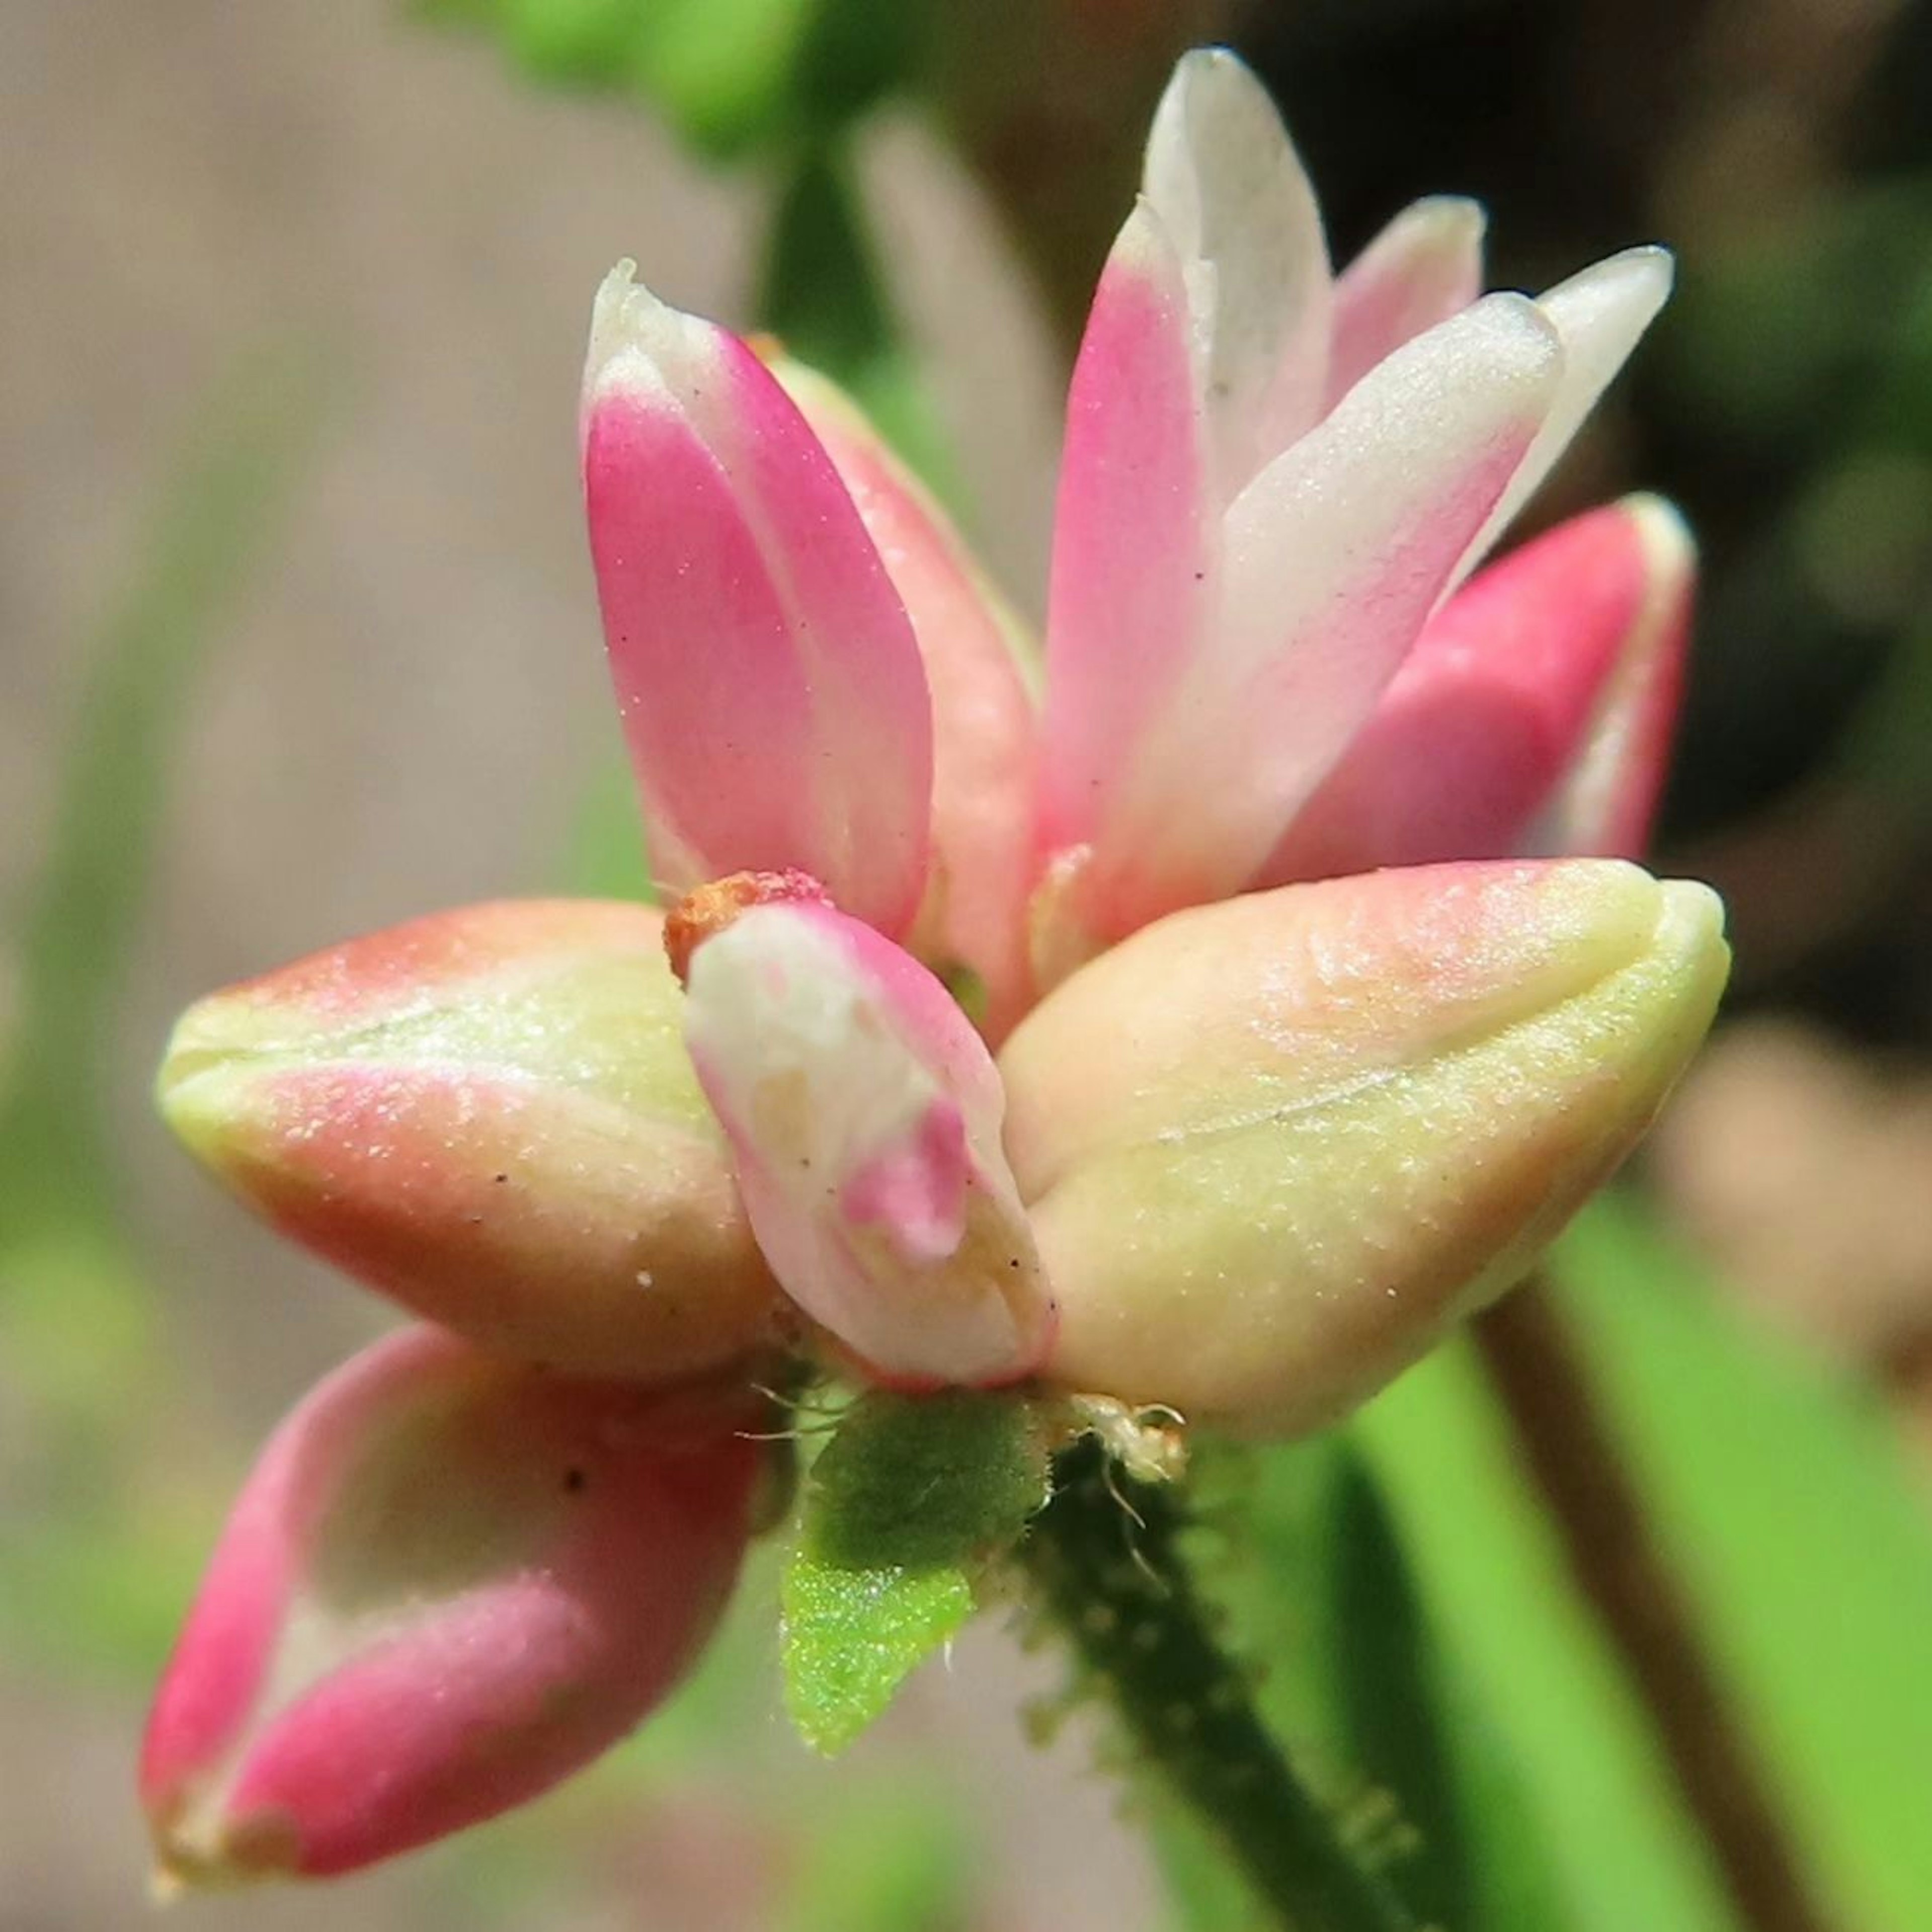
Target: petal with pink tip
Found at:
1609, 796
489, 1114
985, 732
1235, 199
1134, 533
1424, 267
1601, 314
1334, 556
768, 679
450, 1582
865, 1115
1494, 703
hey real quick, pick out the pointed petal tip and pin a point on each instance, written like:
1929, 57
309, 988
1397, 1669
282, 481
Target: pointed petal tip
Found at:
1457, 214
1692, 919
1617, 297
639, 342
1670, 544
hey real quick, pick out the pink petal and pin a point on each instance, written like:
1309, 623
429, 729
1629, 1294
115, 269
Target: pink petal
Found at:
985, 732
1335, 556
1494, 703
489, 1114
450, 1582
1609, 796
1134, 533
865, 1114
1424, 267
767, 676
1233, 197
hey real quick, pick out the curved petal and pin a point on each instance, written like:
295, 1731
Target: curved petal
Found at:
1335, 556
1235, 201
1273, 1148
1424, 267
865, 1115
985, 747
1134, 533
767, 676
1600, 314
1608, 798
1566, 641
489, 1114
450, 1582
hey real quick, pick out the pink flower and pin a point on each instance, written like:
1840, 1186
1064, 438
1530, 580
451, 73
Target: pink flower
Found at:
450, 1581
1015, 1023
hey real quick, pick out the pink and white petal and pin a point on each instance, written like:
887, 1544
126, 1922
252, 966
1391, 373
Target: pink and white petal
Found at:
866, 1115
451, 1580
1607, 800
767, 676
1223, 176
1601, 314
985, 733
1496, 702
1424, 267
1335, 556
1134, 535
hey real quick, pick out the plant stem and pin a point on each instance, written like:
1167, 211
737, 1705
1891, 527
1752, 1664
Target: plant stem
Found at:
1104, 1556
1573, 1456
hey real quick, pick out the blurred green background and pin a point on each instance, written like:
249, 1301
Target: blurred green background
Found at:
299, 639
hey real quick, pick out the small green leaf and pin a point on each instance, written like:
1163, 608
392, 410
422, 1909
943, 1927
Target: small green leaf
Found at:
852, 1637
908, 1500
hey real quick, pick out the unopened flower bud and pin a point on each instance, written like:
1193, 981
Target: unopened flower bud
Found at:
865, 1112
1273, 1149
450, 1582
489, 1115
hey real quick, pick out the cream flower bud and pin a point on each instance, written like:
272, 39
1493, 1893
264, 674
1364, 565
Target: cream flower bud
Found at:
489, 1115
1272, 1149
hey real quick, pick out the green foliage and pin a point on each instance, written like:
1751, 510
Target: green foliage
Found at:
1592, 1792
1302, 1550
1780, 1493
732, 77
901, 1511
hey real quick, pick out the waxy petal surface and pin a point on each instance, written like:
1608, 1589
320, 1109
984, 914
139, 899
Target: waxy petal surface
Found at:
1424, 267
1236, 205
1565, 646
865, 1115
766, 674
1273, 1149
1335, 556
489, 1114
450, 1582
986, 732
1601, 314
1609, 796
1135, 534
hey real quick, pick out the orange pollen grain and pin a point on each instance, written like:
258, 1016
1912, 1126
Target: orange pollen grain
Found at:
701, 914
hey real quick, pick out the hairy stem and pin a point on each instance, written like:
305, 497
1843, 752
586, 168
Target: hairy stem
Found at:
1104, 1557
1573, 1457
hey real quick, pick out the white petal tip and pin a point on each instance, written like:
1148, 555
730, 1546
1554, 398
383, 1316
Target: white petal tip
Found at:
1452, 218
1669, 547
638, 339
